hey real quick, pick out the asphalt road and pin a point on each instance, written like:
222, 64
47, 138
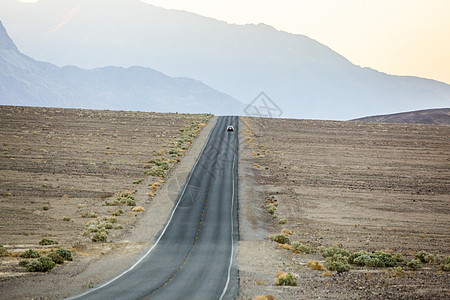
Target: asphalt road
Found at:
194, 256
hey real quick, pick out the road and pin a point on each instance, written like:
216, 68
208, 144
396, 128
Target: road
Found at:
194, 256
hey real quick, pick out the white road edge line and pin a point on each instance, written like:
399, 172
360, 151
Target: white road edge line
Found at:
232, 236
162, 233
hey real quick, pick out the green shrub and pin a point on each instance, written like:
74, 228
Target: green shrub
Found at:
45, 207
282, 221
378, 259
280, 238
30, 254
445, 267
44, 242
43, 264
3, 251
414, 264
24, 263
288, 280
131, 202
338, 263
57, 259
421, 255
333, 250
386, 259
271, 209
304, 248
396, 272
355, 255
138, 181
65, 254
99, 237
117, 212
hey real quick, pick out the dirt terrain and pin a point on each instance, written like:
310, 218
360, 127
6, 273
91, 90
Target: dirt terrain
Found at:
62, 170
360, 186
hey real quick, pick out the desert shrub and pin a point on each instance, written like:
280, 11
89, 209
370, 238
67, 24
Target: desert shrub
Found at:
99, 237
43, 264
386, 259
67, 219
337, 262
126, 198
445, 264
398, 257
118, 226
108, 225
138, 181
395, 272
24, 263
65, 254
355, 255
57, 259
414, 264
289, 279
378, 259
45, 207
117, 212
3, 251
112, 220
315, 265
30, 254
300, 247
271, 209
333, 250
421, 255
280, 238
44, 242
282, 221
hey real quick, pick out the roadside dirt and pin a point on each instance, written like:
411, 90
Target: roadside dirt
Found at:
57, 169
361, 186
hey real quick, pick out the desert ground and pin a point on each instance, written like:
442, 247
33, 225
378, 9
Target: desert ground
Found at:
74, 176
360, 186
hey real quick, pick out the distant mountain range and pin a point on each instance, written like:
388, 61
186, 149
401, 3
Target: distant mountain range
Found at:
428, 116
304, 78
25, 81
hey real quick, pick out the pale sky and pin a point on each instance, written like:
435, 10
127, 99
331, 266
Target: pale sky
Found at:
401, 37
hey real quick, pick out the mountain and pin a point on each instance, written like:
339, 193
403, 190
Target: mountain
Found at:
304, 78
24, 81
428, 116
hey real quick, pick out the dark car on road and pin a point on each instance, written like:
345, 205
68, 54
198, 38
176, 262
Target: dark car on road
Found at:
230, 128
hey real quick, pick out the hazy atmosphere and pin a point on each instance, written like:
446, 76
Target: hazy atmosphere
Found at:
401, 37
226, 150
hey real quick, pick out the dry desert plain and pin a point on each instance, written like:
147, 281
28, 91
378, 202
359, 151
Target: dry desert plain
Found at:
73, 176
359, 186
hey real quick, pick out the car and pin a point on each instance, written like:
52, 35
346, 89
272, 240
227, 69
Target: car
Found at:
230, 128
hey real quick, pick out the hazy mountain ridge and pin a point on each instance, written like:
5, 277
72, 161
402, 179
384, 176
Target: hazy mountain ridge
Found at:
305, 78
429, 116
25, 81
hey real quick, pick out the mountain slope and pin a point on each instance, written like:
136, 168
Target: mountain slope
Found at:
428, 116
303, 77
24, 81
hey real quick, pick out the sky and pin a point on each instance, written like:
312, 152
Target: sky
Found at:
400, 37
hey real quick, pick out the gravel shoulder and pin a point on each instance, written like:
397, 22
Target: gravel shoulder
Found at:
360, 186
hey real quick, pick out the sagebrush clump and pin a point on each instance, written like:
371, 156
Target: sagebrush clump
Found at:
337, 262
300, 247
44, 242
333, 250
64, 253
57, 259
30, 254
43, 264
3, 251
280, 238
289, 279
